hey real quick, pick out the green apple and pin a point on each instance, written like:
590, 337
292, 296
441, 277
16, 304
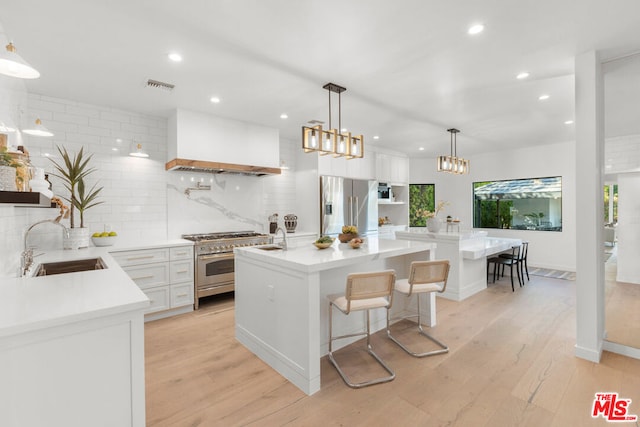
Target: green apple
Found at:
96, 235
113, 233
104, 234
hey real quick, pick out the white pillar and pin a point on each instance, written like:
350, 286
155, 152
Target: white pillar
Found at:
589, 156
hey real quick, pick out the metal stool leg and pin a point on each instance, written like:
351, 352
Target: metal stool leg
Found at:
421, 331
333, 361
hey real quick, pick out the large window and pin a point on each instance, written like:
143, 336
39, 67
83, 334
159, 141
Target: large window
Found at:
421, 196
611, 204
522, 204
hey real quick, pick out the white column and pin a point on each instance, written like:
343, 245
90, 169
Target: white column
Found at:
589, 156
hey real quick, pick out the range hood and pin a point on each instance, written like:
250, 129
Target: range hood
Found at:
187, 165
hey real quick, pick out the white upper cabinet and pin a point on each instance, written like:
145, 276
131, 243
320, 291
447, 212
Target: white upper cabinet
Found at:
392, 169
355, 168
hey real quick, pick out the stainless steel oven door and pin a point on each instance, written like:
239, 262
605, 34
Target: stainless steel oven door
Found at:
214, 274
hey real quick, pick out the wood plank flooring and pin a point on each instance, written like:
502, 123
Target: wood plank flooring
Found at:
510, 363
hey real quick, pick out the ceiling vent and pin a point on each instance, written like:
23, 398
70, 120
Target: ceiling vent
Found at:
155, 84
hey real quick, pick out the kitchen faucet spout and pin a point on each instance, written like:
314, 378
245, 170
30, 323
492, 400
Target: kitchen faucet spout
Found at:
282, 244
26, 258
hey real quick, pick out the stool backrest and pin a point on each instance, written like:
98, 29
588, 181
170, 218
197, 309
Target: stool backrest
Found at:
524, 250
429, 272
370, 285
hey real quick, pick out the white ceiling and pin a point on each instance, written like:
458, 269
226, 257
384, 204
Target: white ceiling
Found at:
410, 68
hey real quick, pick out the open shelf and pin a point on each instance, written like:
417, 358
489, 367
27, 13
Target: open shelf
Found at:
25, 199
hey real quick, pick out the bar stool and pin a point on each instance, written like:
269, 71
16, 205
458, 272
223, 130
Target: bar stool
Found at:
424, 277
365, 291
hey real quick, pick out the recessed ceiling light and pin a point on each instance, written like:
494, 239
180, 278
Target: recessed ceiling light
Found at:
343, 130
475, 29
543, 97
522, 75
421, 148
376, 137
215, 99
568, 122
114, 149
175, 57
284, 116
118, 140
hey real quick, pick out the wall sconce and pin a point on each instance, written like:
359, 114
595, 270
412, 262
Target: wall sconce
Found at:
137, 151
12, 64
38, 130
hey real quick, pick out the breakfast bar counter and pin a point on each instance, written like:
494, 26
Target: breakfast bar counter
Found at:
281, 306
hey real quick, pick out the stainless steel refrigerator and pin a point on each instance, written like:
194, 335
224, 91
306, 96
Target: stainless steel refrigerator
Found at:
348, 202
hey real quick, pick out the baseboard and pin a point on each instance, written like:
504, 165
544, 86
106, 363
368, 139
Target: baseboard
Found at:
592, 355
622, 349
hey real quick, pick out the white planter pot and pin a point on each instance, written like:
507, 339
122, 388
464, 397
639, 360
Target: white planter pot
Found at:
434, 225
78, 238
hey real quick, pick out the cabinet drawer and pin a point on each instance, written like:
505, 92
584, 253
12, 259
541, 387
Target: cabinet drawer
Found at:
145, 256
148, 276
181, 294
181, 252
159, 297
181, 271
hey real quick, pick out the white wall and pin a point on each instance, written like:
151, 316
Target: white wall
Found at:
628, 228
143, 202
554, 250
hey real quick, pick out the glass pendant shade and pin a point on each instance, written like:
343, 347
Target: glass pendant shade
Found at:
12, 64
137, 151
452, 163
38, 130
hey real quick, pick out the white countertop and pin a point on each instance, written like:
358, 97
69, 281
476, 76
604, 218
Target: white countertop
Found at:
128, 245
308, 258
422, 233
33, 303
487, 247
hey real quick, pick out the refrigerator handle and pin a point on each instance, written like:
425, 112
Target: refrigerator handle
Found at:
350, 210
356, 209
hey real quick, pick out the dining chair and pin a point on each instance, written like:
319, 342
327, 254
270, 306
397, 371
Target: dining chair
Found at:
522, 260
512, 261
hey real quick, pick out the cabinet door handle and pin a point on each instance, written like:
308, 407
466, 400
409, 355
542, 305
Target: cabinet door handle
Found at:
182, 253
140, 257
182, 295
182, 271
143, 277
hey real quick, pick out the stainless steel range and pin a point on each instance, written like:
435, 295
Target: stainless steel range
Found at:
214, 259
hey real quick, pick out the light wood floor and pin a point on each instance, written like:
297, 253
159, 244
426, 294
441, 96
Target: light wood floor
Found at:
511, 363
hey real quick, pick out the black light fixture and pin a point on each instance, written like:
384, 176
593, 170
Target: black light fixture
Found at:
452, 163
332, 141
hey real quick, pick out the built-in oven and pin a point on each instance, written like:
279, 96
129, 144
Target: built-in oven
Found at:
214, 274
214, 262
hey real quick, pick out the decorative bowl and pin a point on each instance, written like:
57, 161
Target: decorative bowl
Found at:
323, 245
346, 237
356, 243
104, 241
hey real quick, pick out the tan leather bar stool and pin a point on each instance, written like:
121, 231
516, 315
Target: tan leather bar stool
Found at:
365, 291
424, 277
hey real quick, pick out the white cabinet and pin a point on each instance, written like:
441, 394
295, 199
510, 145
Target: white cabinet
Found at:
392, 169
355, 168
165, 275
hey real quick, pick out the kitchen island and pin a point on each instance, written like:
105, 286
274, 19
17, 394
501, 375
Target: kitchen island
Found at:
467, 252
72, 346
281, 306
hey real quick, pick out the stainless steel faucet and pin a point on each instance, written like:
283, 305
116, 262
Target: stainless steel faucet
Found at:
282, 244
26, 258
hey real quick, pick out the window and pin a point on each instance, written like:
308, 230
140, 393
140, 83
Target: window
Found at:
522, 204
611, 204
421, 196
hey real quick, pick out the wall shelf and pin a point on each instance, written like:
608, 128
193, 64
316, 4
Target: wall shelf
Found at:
25, 199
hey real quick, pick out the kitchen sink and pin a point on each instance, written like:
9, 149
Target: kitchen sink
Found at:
61, 267
270, 248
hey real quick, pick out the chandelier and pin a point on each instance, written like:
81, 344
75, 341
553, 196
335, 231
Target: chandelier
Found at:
452, 163
332, 141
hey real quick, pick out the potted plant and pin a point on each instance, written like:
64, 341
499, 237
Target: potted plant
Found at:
7, 171
73, 171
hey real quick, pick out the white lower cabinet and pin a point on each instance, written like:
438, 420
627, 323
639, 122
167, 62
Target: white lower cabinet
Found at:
165, 275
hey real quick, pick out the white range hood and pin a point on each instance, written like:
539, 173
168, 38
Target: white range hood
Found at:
201, 142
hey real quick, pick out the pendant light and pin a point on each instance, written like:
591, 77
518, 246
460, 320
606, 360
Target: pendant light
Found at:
38, 130
12, 64
452, 163
137, 151
332, 141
